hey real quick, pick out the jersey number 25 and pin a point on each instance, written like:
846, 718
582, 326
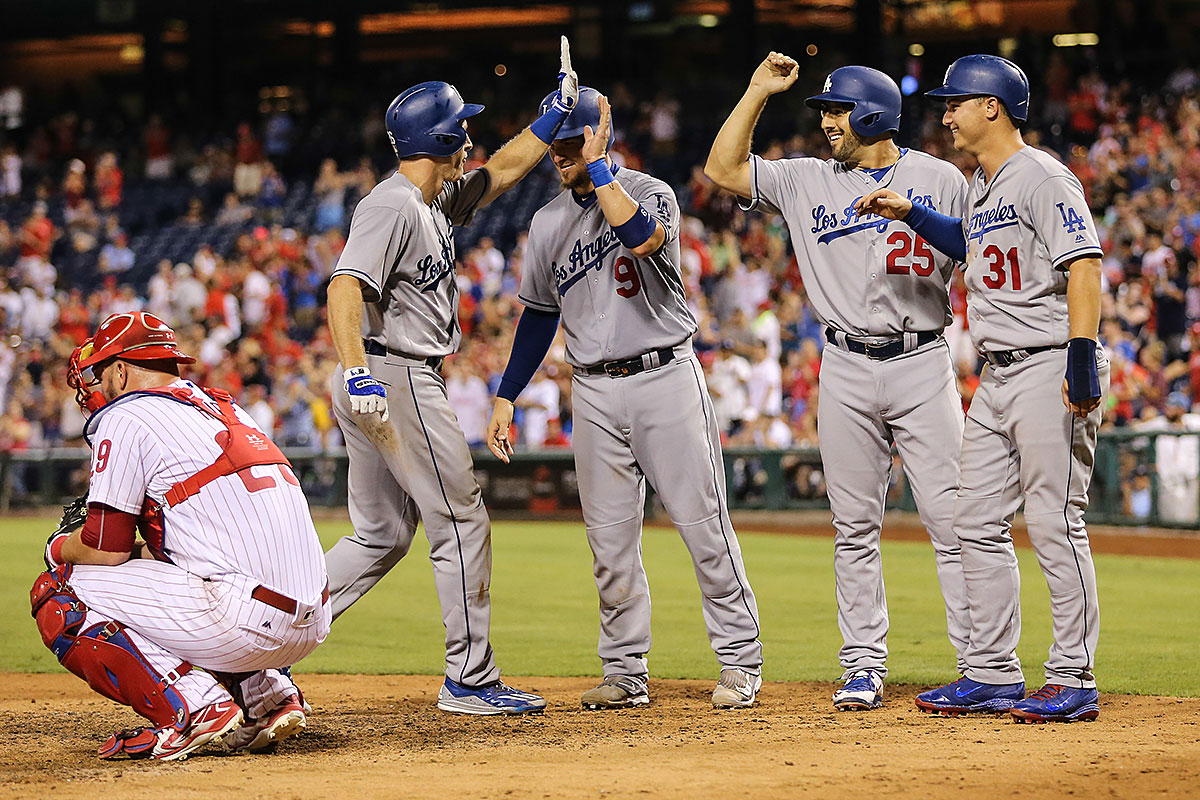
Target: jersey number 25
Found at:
904, 243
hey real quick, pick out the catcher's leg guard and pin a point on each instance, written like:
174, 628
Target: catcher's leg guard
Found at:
103, 654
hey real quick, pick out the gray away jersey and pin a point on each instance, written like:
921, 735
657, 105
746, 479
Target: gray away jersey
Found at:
867, 276
1023, 228
613, 304
403, 252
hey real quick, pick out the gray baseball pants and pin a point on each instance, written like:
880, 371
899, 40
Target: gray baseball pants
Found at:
865, 406
416, 467
1021, 443
659, 426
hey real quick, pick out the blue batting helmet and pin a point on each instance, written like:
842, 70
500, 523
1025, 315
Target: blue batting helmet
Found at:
875, 97
586, 112
987, 76
426, 120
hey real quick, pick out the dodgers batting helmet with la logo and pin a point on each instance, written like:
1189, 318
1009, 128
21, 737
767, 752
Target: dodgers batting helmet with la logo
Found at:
427, 120
875, 99
985, 75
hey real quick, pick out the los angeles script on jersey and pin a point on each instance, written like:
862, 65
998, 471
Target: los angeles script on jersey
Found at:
1001, 215
583, 258
832, 225
430, 271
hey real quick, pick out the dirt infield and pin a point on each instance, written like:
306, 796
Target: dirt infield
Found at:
381, 736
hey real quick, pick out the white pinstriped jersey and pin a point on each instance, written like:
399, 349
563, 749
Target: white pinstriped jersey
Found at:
255, 522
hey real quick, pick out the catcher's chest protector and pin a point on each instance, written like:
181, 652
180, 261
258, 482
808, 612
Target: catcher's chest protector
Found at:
242, 447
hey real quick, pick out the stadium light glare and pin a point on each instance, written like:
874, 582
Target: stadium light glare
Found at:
916, 50
908, 85
709, 20
811, 49
1075, 40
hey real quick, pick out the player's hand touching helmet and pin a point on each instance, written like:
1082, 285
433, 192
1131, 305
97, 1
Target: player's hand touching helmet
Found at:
776, 73
367, 395
568, 82
595, 142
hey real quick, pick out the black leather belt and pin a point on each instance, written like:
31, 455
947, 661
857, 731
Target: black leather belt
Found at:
880, 352
1002, 358
632, 366
376, 349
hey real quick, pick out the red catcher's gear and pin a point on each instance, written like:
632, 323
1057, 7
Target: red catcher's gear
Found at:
242, 447
133, 336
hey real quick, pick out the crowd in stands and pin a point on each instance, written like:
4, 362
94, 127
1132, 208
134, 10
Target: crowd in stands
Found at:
232, 244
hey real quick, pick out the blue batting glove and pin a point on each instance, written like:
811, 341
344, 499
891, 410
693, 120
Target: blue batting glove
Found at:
367, 395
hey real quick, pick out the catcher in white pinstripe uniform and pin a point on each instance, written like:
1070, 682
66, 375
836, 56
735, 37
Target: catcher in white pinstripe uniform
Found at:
227, 576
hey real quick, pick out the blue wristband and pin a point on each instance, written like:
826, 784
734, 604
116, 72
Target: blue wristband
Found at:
637, 230
600, 173
546, 126
1083, 375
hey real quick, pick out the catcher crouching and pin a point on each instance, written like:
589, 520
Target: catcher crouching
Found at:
195, 623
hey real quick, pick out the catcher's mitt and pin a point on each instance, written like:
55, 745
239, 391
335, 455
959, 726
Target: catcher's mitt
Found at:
73, 516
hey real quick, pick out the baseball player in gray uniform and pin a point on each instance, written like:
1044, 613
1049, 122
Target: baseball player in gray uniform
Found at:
886, 376
605, 255
393, 305
1033, 304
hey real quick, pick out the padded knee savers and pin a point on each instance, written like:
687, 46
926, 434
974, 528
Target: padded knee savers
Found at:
103, 654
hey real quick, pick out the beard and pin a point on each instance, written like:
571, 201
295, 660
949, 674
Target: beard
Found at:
847, 148
577, 183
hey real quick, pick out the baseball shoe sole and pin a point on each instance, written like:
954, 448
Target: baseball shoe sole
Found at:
264, 735
863, 691
736, 688
209, 726
490, 700
617, 691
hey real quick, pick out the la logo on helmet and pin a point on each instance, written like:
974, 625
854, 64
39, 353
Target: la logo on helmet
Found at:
828, 83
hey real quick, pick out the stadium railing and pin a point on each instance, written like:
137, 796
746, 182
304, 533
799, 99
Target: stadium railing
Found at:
1141, 478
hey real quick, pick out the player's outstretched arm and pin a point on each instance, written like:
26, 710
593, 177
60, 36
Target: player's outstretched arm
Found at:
641, 234
512, 162
728, 163
941, 231
1081, 388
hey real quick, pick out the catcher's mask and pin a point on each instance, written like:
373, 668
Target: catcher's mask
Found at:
136, 336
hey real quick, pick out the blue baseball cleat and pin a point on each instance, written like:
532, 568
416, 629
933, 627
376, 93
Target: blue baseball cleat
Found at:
966, 696
490, 699
1055, 703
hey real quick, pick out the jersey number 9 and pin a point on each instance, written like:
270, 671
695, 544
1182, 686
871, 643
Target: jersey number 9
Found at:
629, 283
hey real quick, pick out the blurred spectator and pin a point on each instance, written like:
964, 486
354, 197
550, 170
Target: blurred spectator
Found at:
470, 399
157, 142
1176, 460
258, 406
116, 257
109, 182
538, 404
10, 172
234, 211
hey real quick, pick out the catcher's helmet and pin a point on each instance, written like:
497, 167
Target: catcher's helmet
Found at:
135, 336
987, 76
586, 112
426, 120
875, 97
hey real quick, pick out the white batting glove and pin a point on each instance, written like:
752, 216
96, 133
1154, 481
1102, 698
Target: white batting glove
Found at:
367, 395
568, 82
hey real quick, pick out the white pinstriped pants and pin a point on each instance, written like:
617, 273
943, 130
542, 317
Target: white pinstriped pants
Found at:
212, 623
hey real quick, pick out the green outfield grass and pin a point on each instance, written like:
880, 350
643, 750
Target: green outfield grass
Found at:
545, 618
